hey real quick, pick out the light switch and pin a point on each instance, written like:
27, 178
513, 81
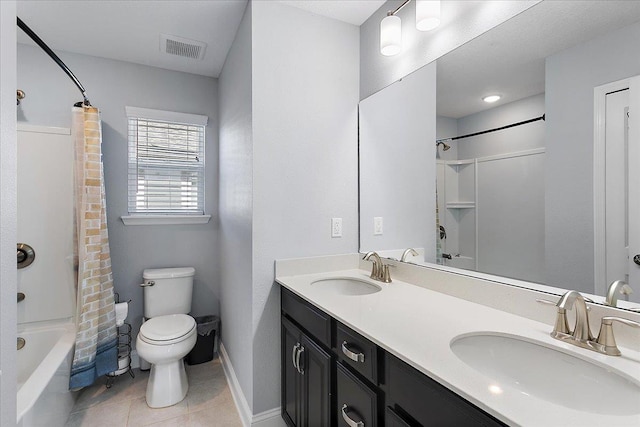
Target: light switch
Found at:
377, 226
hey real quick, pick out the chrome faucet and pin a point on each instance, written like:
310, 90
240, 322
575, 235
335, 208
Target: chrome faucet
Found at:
581, 334
406, 253
581, 331
618, 287
379, 271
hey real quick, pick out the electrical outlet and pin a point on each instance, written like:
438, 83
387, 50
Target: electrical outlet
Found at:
377, 226
336, 227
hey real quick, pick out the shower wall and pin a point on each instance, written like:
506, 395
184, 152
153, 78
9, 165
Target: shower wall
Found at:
45, 222
503, 232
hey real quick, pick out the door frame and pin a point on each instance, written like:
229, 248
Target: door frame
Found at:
599, 180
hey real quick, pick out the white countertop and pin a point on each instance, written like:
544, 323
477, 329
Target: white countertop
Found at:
417, 325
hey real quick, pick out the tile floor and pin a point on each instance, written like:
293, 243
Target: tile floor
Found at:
208, 402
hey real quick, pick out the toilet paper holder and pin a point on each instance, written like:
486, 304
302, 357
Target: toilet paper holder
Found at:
124, 349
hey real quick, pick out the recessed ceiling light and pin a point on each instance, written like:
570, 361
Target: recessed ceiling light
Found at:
491, 98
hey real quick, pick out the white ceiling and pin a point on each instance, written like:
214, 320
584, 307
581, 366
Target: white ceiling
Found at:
130, 30
510, 59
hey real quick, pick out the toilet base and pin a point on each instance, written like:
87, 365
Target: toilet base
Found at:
167, 384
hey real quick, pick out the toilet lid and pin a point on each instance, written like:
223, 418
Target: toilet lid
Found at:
169, 327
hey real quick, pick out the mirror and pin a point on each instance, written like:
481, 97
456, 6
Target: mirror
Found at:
524, 202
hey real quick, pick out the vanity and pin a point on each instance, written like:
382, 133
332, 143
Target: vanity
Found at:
360, 352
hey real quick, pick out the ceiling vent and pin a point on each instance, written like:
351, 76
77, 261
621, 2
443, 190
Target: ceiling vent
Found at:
180, 46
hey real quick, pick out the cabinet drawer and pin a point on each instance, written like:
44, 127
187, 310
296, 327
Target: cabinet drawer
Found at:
392, 419
355, 401
357, 351
312, 319
428, 402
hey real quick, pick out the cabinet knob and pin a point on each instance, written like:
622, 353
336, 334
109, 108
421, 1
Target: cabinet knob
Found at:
636, 259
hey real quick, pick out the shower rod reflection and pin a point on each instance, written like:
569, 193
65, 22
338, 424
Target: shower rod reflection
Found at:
28, 31
524, 122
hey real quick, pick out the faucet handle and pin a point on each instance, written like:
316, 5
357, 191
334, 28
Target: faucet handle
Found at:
562, 325
386, 274
605, 336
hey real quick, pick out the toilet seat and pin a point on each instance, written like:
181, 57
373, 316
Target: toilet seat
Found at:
168, 329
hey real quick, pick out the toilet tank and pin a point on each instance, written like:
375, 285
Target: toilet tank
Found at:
170, 293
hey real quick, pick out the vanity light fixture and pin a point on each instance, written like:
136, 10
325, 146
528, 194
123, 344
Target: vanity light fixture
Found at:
427, 18
491, 98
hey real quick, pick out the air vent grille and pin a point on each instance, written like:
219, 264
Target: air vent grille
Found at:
180, 46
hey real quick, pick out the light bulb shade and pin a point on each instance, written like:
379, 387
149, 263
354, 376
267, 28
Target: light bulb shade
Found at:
390, 35
427, 14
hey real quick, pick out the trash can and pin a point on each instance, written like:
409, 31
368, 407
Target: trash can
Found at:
207, 327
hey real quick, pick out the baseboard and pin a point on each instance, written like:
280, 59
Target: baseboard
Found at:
270, 418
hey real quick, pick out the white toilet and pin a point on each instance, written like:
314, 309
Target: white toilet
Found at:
168, 334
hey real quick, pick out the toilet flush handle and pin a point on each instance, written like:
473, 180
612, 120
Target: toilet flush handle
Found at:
149, 283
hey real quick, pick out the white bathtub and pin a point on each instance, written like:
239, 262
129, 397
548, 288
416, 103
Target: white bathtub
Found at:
44, 366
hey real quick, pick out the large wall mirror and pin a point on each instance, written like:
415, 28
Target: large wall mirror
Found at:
548, 199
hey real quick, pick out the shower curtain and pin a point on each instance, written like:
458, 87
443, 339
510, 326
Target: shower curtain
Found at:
96, 341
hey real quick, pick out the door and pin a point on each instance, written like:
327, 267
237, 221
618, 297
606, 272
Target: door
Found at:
316, 384
617, 185
291, 384
634, 190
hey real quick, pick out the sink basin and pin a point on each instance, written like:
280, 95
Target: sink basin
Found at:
348, 286
537, 370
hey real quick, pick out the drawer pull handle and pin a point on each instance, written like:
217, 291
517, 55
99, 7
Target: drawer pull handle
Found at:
293, 356
348, 420
356, 357
300, 351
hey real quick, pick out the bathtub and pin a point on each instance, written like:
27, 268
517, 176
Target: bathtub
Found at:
44, 366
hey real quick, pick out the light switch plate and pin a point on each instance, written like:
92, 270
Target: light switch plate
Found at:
336, 227
377, 226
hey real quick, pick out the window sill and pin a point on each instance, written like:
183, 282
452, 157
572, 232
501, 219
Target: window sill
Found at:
164, 219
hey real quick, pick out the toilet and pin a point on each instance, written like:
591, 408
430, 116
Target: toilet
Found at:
168, 333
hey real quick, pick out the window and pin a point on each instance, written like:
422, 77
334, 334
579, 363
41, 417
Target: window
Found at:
166, 165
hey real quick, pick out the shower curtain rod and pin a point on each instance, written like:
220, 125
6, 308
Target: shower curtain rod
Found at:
491, 130
28, 31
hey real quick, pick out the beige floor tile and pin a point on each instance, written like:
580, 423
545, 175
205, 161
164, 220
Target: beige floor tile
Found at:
105, 415
124, 388
204, 372
219, 416
141, 415
205, 394
181, 421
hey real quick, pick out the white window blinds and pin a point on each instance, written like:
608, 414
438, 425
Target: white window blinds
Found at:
166, 162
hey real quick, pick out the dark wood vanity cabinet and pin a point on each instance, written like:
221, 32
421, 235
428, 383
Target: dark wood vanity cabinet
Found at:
333, 376
306, 379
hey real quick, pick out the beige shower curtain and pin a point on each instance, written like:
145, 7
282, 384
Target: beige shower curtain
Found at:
96, 339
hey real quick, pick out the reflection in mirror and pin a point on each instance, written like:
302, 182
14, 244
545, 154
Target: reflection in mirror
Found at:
526, 202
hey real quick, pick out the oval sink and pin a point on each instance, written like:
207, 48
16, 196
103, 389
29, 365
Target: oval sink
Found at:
548, 374
348, 286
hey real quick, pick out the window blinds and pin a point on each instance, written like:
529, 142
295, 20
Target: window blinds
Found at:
166, 167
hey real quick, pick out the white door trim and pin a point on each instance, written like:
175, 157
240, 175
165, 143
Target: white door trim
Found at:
599, 180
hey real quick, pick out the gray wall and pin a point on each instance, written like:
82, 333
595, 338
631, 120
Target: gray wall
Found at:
462, 20
112, 85
397, 168
520, 138
236, 206
8, 161
305, 98
571, 76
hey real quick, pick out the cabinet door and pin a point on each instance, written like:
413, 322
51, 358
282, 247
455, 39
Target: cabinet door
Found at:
291, 384
356, 404
315, 367
394, 420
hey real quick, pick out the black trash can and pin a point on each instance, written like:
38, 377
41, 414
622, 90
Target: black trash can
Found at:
202, 352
